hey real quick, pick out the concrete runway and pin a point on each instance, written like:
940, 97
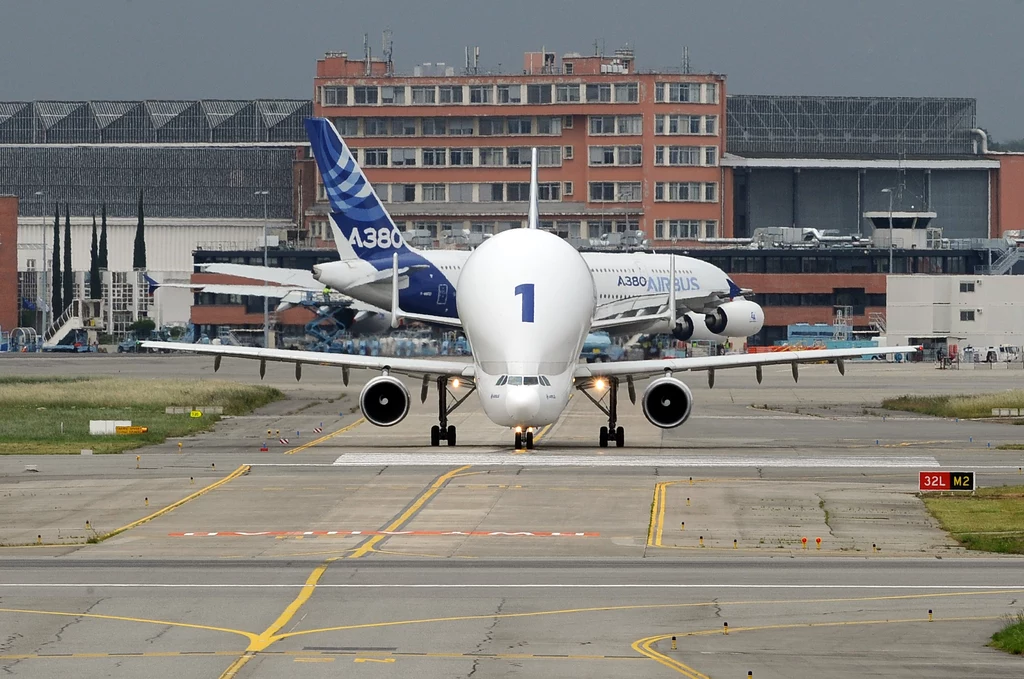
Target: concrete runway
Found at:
366, 548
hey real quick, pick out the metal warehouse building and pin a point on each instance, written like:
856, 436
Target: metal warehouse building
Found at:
822, 162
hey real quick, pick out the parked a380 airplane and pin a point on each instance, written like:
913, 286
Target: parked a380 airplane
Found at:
526, 301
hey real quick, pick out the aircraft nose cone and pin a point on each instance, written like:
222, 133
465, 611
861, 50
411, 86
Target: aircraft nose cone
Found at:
523, 404
316, 272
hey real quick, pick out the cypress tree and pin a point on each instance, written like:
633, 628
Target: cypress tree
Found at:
103, 240
69, 276
95, 286
56, 295
139, 255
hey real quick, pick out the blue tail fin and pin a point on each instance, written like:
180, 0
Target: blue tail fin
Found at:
362, 228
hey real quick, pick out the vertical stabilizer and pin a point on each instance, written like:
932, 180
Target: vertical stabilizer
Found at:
534, 219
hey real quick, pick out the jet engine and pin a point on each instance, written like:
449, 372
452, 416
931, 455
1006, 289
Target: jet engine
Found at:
739, 318
684, 328
667, 402
384, 401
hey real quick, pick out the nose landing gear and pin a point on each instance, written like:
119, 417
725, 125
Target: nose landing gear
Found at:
524, 437
442, 431
613, 432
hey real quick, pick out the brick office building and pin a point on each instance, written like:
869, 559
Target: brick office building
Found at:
8, 263
619, 149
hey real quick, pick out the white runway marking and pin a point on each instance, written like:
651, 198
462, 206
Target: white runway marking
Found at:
504, 585
542, 460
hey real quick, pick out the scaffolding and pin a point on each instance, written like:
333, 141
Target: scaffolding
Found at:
766, 125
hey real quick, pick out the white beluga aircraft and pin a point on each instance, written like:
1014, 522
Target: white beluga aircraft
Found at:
526, 301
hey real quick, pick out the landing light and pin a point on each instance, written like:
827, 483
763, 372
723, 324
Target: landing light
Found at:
599, 384
519, 430
455, 383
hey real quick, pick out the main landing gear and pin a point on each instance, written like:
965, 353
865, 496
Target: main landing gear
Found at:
524, 437
442, 431
613, 432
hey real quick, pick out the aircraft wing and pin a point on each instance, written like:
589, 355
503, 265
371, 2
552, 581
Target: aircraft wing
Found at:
299, 278
648, 368
415, 367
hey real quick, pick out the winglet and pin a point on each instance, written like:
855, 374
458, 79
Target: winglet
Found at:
534, 219
396, 311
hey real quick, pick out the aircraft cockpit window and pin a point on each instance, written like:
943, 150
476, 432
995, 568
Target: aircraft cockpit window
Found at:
515, 380
531, 380
501, 380
544, 381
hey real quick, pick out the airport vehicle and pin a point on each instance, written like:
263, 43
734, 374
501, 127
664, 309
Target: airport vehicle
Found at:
599, 347
527, 300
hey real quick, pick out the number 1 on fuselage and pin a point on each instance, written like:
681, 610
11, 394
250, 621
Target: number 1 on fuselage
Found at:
526, 290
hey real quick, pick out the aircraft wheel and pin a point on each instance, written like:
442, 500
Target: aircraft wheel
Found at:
435, 436
620, 437
519, 440
529, 440
451, 435
603, 437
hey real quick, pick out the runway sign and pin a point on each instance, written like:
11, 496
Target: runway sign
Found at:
934, 481
131, 430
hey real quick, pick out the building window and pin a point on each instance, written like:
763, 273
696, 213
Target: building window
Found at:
334, 96
392, 95
629, 125
403, 157
403, 127
449, 94
547, 125
677, 229
365, 94
434, 127
629, 155
567, 152
460, 127
659, 92
460, 193
966, 286
684, 93
710, 124
509, 94
518, 155
602, 124
678, 191
424, 94
711, 155
568, 68
492, 193
459, 157
567, 188
569, 93
967, 314
492, 157
627, 93
434, 157
711, 229
549, 156
520, 125
403, 193
710, 192
710, 93
602, 191
629, 192
549, 191
683, 155
375, 157
518, 191
538, 94
375, 127
602, 155
347, 127
481, 94
599, 93
492, 127
433, 193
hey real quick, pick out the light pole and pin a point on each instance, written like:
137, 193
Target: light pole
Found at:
266, 303
889, 191
42, 222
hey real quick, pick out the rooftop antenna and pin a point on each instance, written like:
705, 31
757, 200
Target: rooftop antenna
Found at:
597, 48
476, 59
366, 54
466, 67
686, 59
388, 51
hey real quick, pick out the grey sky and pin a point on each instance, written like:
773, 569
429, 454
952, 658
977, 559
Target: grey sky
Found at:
137, 49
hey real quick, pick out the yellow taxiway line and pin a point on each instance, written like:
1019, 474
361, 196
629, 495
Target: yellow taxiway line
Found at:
325, 437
